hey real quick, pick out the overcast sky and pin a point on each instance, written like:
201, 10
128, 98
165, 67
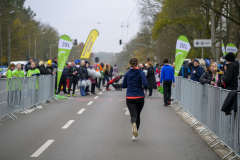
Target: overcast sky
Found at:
76, 18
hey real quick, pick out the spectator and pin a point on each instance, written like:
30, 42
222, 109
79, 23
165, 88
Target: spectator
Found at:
155, 67
158, 71
102, 75
212, 77
63, 81
225, 69
34, 71
110, 72
22, 65
197, 71
43, 69
152, 84
115, 71
93, 82
221, 66
167, 78
212, 60
55, 63
231, 77
83, 75
87, 65
18, 72
72, 74
10, 70
190, 65
49, 66
184, 71
106, 75
28, 65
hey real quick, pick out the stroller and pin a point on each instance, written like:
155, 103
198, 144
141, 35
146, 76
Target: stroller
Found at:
115, 83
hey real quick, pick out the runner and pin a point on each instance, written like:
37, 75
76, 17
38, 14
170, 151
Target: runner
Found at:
135, 81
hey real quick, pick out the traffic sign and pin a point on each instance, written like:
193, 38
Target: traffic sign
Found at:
202, 43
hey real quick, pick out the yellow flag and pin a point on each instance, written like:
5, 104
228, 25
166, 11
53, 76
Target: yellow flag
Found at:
89, 44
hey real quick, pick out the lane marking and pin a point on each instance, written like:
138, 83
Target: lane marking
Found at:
100, 93
81, 111
96, 97
67, 124
90, 103
41, 149
127, 113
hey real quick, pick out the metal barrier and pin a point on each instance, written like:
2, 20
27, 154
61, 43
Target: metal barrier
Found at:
204, 102
18, 94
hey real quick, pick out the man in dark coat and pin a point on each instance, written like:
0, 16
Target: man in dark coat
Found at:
72, 74
152, 84
197, 71
63, 81
28, 65
231, 77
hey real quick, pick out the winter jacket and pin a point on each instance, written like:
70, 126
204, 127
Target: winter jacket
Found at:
207, 78
151, 78
33, 72
115, 71
190, 65
50, 69
54, 64
135, 80
196, 76
111, 71
27, 66
184, 71
230, 102
106, 73
93, 81
70, 71
167, 74
18, 73
83, 74
231, 77
64, 73
44, 70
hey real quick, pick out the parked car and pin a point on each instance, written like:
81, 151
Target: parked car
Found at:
3, 71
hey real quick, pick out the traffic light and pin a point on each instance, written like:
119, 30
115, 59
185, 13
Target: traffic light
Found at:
97, 59
75, 42
120, 42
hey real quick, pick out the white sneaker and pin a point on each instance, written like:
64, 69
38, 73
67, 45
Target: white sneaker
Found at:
134, 138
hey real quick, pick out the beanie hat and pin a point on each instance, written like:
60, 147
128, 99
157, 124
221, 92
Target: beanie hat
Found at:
230, 57
49, 62
195, 60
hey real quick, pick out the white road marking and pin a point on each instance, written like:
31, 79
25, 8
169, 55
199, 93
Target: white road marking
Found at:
31, 110
127, 111
96, 97
100, 93
81, 111
90, 103
67, 124
41, 149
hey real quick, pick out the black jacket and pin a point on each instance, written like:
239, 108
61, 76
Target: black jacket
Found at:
27, 67
230, 103
207, 78
54, 64
70, 71
64, 73
83, 74
190, 65
185, 71
151, 78
231, 77
50, 69
43, 70
106, 73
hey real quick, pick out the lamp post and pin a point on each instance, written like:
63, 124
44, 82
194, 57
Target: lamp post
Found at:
9, 41
36, 44
51, 50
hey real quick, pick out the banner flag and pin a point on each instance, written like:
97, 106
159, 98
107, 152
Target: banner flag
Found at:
182, 48
231, 48
89, 44
223, 49
64, 48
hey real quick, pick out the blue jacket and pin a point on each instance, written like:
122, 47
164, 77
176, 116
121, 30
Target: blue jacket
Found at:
135, 80
64, 73
54, 64
167, 74
184, 71
196, 76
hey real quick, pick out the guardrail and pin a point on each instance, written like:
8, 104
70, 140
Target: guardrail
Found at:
19, 94
204, 102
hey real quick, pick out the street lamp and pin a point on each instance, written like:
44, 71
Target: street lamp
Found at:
51, 49
9, 41
29, 41
36, 43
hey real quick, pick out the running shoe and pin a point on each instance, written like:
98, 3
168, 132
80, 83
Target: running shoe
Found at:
73, 95
134, 129
69, 95
108, 89
150, 96
169, 102
134, 138
165, 105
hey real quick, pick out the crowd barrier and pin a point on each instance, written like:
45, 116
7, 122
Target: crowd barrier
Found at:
18, 94
204, 102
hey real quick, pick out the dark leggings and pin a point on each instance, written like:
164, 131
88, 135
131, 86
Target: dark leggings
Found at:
74, 83
135, 107
150, 92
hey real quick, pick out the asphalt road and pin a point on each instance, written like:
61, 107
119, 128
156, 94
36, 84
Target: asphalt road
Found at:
102, 131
